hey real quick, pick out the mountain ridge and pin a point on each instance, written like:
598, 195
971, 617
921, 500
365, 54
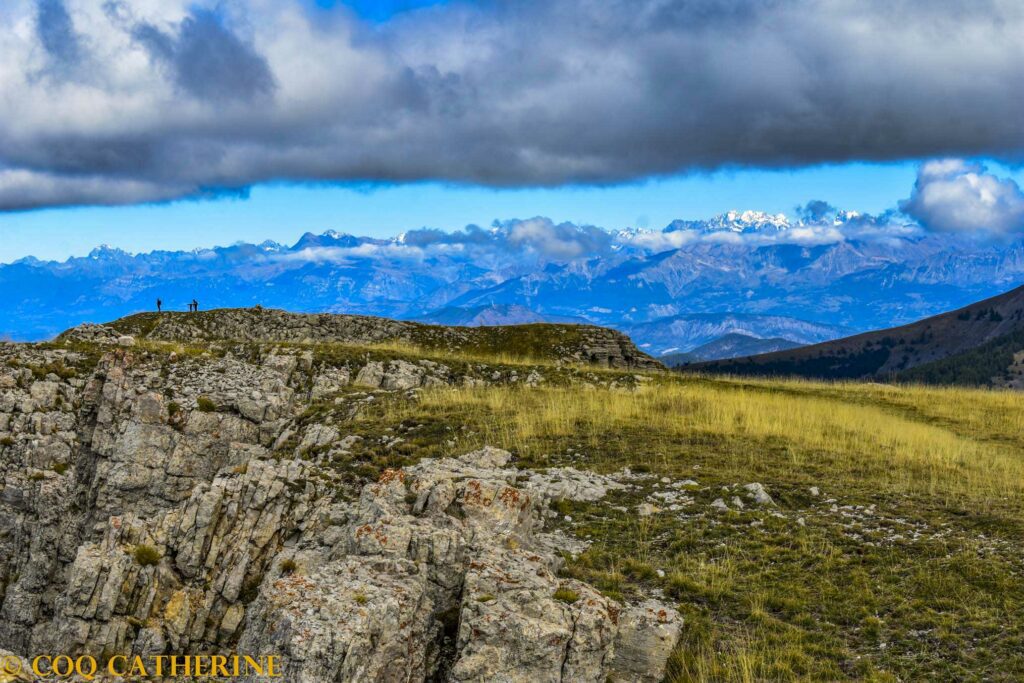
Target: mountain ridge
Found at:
896, 353
732, 345
848, 272
586, 344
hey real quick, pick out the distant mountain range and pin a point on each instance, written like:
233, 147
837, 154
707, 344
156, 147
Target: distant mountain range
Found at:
728, 346
662, 336
672, 290
507, 314
981, 344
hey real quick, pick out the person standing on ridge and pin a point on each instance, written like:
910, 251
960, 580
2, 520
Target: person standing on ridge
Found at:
195, 306
159, 305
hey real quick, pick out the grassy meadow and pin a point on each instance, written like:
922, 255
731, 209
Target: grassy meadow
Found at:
906, 565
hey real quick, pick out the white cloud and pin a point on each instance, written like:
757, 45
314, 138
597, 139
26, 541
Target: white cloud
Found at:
953, 195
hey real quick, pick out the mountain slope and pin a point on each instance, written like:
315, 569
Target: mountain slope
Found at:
492, 315
690, 331
953, 345
729, 346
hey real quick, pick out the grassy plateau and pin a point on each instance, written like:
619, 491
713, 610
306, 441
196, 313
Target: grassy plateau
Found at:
893, 552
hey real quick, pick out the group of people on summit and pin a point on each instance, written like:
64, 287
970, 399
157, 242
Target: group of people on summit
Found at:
192, 307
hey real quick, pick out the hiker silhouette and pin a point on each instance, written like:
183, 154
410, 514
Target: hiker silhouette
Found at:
159, 305
195, 305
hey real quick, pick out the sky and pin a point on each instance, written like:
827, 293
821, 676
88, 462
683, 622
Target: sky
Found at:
175, 124
284, 212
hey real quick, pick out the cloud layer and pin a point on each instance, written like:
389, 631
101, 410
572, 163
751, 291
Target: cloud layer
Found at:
134, 100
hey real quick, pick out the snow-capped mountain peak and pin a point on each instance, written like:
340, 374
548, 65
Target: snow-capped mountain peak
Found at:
739, 222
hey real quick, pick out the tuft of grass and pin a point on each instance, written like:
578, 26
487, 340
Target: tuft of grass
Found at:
566, 595
146, 555
206, 405
288, 567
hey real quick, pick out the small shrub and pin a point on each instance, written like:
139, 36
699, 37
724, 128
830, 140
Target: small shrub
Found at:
486, 597
561, 506
205, 405
7, 441
60, 467
173, 409
146, 555
566, 595
36, 476
288, 567
360, 598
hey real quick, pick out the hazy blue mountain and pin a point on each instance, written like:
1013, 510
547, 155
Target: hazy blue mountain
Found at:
491, 315
692, 331
672, 290
732, 345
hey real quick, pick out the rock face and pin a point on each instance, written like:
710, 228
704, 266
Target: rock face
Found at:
438, 569
567, 343
158, 501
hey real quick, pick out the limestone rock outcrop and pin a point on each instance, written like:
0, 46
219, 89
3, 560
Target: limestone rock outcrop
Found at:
160, 498
436, 569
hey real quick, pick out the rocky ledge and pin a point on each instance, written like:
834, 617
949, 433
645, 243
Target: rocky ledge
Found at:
444, 568
562, 343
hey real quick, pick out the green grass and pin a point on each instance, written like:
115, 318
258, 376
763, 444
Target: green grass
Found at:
916, 575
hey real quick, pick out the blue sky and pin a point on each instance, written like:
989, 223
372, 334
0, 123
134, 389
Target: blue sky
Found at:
284, 212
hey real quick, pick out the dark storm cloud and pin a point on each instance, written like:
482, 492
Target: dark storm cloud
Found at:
188, 98
207, 60
56, 33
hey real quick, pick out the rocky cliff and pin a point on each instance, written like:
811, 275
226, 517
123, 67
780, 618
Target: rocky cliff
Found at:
169, 498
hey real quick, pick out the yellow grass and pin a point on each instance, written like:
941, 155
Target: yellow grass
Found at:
441, 355
948, 441
980, 413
